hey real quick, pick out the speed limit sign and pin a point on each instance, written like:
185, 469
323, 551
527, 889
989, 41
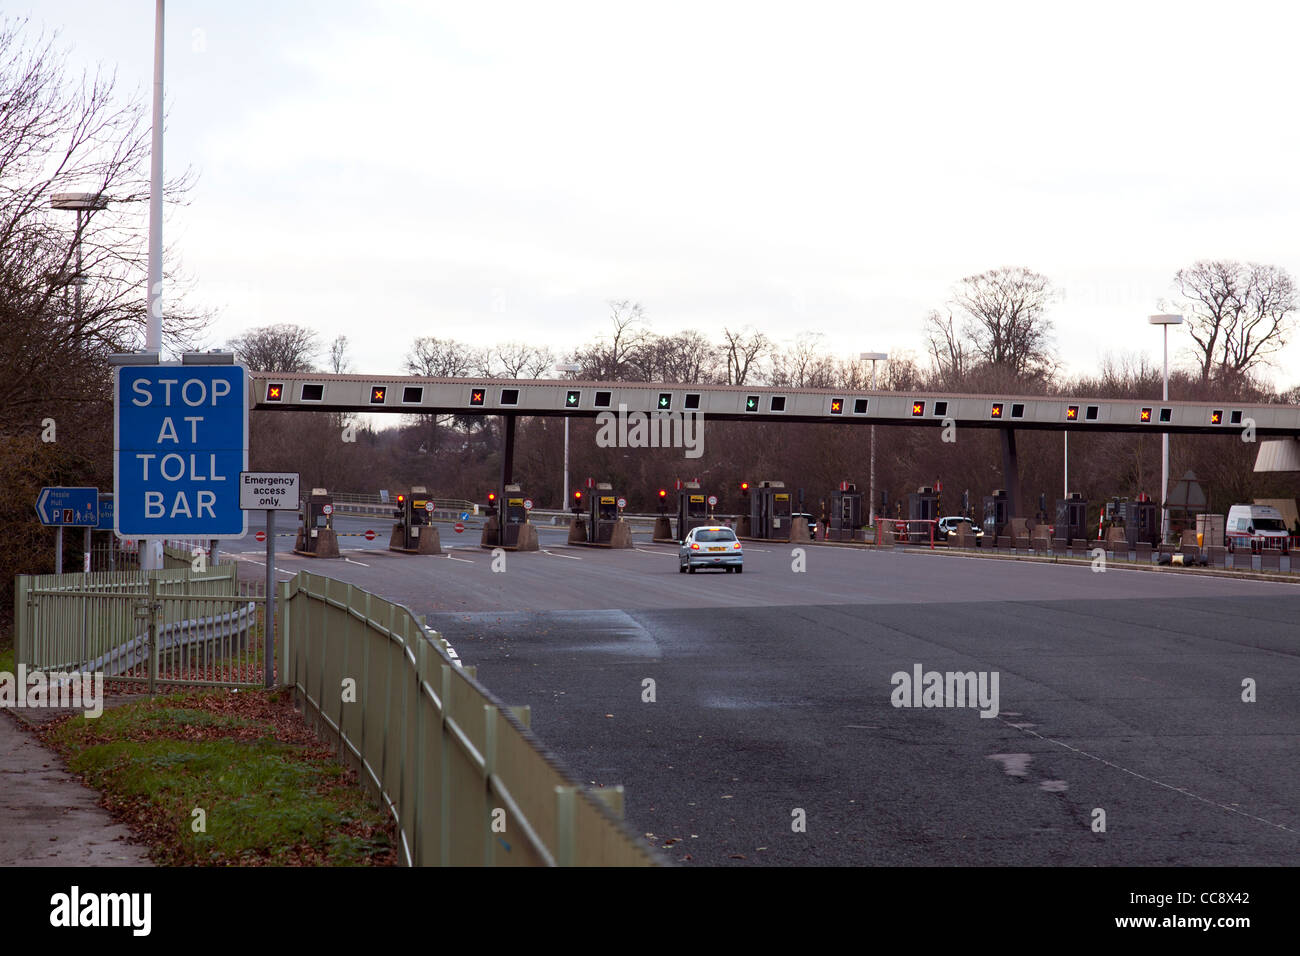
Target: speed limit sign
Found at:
713, 501
327, 509
622, 503
528, 504
428, 506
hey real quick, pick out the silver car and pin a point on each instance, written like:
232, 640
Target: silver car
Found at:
711, 546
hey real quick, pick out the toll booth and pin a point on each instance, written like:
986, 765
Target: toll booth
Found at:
1141, 519
845, 518
997, 517
771, 513
692, 508
922, 505
604, 514
507, 525
604, 525
316, 538
1071, 518
414, 531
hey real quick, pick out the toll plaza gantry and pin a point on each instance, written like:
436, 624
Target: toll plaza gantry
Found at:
669, 406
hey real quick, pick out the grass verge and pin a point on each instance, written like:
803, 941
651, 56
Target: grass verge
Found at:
221, 778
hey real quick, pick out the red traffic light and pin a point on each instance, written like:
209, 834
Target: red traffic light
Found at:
577, 496
401, 499
744, 487
662, 494
492, 497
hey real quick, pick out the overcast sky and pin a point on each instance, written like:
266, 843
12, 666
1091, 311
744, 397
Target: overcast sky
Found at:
491, 171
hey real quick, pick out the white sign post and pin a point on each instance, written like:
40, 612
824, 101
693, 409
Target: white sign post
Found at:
269, 491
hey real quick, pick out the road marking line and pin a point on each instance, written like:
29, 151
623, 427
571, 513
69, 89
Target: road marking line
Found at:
554, 555
461, 560
1158, 783
263, 564
362, 563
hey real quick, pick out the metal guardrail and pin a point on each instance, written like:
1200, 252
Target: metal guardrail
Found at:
174, 626
465, 780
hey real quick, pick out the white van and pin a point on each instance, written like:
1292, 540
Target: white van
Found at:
1256, 527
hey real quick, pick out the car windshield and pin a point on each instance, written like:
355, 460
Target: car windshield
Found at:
1269, 524
721, 534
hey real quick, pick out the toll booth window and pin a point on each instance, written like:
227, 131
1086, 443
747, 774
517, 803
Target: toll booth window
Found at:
665, 401
778, 403
275, 392
509, 396
1216, 417
378, 394
751, 403
573, 398
837, 406
692, 400
412, 394
1018, 410
859, 406
940, 409
1091, 414
603, 399
313, 393
1235, 418
477, 396
1166, 415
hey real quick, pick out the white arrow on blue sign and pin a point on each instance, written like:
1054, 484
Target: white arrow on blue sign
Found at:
180, 442
68, 507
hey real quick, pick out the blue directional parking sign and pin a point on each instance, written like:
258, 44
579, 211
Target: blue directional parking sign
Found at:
68, 507
180, 442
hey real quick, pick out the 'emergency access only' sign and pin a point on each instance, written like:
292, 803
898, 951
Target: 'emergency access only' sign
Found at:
268, 491
180, 439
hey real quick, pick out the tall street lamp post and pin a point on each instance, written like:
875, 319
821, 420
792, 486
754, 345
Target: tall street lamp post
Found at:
564, 503
873, 358
1165, 321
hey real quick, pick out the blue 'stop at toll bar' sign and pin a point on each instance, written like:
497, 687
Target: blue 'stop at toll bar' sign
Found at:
180, 440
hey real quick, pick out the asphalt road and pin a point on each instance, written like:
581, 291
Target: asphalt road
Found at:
1118, 692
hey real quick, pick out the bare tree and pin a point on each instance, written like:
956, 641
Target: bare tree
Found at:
803, 365
277, 348
618, 357
1007, 322
519, 360
445, 358
1238, 314
686, 357
948, 350
743, 351
339, 363
61, 133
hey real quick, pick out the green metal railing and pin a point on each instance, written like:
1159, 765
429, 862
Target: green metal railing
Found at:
175, 626
465, 780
